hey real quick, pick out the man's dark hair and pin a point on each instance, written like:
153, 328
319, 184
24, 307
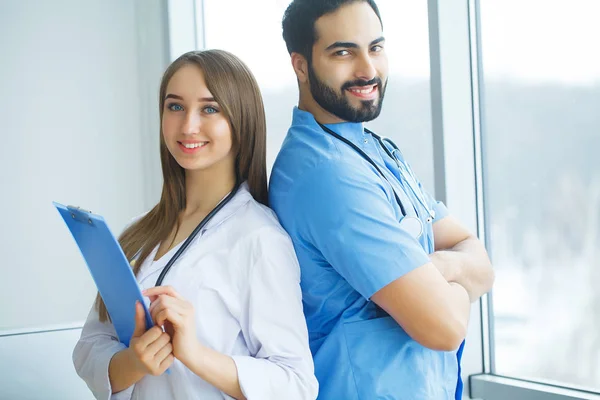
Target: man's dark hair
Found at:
299, 22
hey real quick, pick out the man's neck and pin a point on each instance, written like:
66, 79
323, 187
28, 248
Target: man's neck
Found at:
322, 116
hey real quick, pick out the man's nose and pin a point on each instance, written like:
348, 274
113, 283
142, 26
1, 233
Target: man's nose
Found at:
365, 68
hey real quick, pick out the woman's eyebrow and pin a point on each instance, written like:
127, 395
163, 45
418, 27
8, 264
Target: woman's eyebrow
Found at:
174, 96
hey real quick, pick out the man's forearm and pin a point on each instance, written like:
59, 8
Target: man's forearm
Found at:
467, 264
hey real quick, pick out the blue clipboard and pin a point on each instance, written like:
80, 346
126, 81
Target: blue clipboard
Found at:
109, 268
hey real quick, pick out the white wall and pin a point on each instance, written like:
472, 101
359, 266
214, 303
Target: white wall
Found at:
79, 125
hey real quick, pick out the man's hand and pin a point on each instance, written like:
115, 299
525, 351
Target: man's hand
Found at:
461, 257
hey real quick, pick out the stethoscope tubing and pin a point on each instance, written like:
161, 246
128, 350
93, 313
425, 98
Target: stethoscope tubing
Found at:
195, 233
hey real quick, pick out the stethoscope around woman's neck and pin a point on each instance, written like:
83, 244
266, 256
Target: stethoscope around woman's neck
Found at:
412, 224
196, 231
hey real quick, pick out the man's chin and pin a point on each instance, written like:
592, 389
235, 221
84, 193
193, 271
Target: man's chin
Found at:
370, 114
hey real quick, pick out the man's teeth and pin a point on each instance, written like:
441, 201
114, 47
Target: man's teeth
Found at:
363, 91
193, 145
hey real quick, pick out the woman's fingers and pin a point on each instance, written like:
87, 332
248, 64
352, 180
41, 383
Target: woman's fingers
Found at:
174, 305
166, 363
155, 347
164, 352
140, 321
154, 355
159, 290
165, 300
168, 314
147, 338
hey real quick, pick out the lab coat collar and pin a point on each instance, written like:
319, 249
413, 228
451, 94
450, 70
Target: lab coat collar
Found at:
241, 198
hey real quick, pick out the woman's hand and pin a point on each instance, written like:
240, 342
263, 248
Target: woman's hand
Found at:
151, 350
169, 309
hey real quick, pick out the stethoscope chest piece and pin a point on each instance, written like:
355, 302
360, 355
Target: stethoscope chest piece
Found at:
412, 225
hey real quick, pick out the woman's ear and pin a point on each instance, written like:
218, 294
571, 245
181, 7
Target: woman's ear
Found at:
300, 65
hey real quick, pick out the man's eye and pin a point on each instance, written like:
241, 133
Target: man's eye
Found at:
342, 53
377, 48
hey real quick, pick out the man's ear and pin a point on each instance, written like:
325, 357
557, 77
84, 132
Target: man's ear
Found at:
300, 65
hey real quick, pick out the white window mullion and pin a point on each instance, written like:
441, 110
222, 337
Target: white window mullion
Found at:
182, 27
453, 135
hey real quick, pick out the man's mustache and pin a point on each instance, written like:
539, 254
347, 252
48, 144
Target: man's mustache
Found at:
361, 82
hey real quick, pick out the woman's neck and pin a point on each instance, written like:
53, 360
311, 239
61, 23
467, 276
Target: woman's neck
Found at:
205, 189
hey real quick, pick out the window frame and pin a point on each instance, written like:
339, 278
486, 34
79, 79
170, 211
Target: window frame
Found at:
457, 112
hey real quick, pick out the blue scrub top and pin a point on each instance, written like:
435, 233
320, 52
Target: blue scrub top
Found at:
344, 221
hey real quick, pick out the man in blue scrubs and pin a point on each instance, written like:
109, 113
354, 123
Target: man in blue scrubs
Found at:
386, 297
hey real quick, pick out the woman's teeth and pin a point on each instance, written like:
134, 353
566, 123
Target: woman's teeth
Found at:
193, 145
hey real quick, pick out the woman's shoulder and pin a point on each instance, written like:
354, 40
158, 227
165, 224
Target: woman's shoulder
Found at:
258, 219
254, 237
263, 237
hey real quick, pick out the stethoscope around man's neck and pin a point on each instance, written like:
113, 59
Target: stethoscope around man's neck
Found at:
412, 224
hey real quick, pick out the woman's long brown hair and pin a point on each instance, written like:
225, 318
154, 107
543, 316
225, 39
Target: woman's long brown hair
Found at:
234, 88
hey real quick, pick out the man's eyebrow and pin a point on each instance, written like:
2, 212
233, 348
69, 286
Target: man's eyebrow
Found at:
378, 40
342, 44
352, 45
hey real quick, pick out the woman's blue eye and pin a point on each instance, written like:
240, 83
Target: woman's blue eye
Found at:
175, 107
210, 110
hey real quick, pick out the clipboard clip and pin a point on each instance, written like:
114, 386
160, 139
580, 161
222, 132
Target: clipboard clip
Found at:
79, 214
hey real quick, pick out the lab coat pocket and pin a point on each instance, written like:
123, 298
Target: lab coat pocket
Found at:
386, 362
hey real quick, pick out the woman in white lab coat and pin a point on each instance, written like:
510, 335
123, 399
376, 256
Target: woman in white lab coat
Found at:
231, 304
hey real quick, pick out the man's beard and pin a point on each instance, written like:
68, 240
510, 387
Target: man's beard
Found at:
339, 105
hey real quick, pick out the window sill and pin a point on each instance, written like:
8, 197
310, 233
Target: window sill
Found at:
491, 387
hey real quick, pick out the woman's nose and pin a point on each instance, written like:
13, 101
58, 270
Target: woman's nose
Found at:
191, 124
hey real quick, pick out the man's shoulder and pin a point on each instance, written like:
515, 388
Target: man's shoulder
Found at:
305, 154
305, 146
299, 170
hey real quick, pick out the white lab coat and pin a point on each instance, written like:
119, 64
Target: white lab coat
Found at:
242, 275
